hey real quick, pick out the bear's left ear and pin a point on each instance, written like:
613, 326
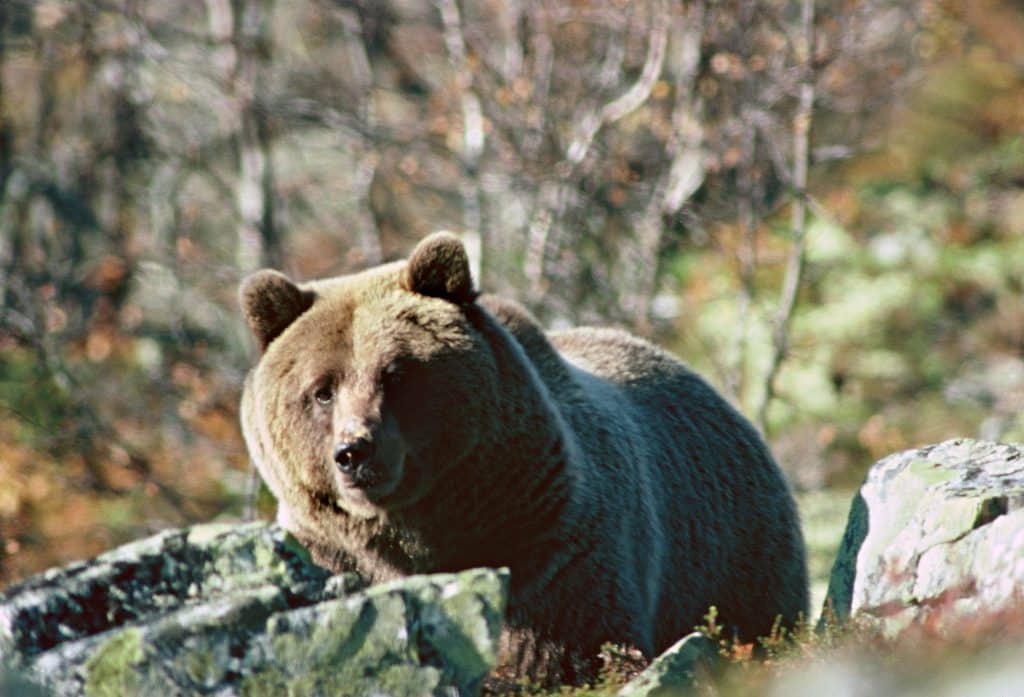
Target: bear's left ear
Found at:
439, 267
270, 302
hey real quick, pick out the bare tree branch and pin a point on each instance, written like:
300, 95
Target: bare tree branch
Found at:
683, 177
795, 261
555, 194
631, 99
686, 173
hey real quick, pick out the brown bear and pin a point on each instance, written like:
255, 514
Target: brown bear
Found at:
407, 424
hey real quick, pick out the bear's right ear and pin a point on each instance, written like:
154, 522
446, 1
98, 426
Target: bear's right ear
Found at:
270, 302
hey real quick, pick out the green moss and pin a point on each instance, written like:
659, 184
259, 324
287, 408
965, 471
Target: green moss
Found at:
110, 671
405, 680
463, 635
340, 634
270, 682
201, 666
929, 472
396, 680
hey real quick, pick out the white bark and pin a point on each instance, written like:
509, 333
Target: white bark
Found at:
473, 134
631, 99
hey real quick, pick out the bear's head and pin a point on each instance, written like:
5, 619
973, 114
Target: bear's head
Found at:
364, 381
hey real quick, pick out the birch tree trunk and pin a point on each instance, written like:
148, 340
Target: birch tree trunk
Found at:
473, 136
367, 159
241, 26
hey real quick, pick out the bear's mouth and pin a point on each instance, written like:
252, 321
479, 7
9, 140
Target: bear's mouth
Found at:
394, 488
372, 482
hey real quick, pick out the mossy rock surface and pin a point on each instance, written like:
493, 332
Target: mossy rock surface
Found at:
242, 609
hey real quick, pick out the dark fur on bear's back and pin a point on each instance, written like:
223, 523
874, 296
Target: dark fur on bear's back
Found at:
623, 493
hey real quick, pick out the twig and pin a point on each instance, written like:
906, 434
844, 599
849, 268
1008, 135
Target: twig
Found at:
795, 262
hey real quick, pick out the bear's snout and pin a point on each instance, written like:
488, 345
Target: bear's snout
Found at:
370, 458
353, 457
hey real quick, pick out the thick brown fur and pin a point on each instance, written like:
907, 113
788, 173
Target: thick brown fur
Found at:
624, 494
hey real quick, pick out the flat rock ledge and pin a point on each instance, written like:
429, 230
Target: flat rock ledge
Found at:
242, 610
935, 539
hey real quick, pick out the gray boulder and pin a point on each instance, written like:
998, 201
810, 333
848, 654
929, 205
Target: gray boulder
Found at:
242, 610
935, 537
676, 672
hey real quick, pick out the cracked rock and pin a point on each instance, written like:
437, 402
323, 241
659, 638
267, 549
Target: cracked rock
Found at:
935, 537
242, 610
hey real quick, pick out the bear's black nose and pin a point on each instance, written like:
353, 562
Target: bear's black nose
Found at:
352, 454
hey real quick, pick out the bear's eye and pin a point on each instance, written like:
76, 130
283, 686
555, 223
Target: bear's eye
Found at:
392, 372
323, 395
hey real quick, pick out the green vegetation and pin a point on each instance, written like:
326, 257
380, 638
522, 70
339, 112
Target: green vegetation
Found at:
109, 670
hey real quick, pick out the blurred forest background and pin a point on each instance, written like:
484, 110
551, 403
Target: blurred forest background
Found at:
819, 204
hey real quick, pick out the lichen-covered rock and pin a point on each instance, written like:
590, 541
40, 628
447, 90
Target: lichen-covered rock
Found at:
935, 536
675, 672
241, 610
157, 575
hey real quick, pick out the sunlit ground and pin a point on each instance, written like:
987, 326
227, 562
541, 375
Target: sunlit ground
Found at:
823, 514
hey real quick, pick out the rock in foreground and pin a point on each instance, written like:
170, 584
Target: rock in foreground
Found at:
935, 538
242, 610
676, 672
